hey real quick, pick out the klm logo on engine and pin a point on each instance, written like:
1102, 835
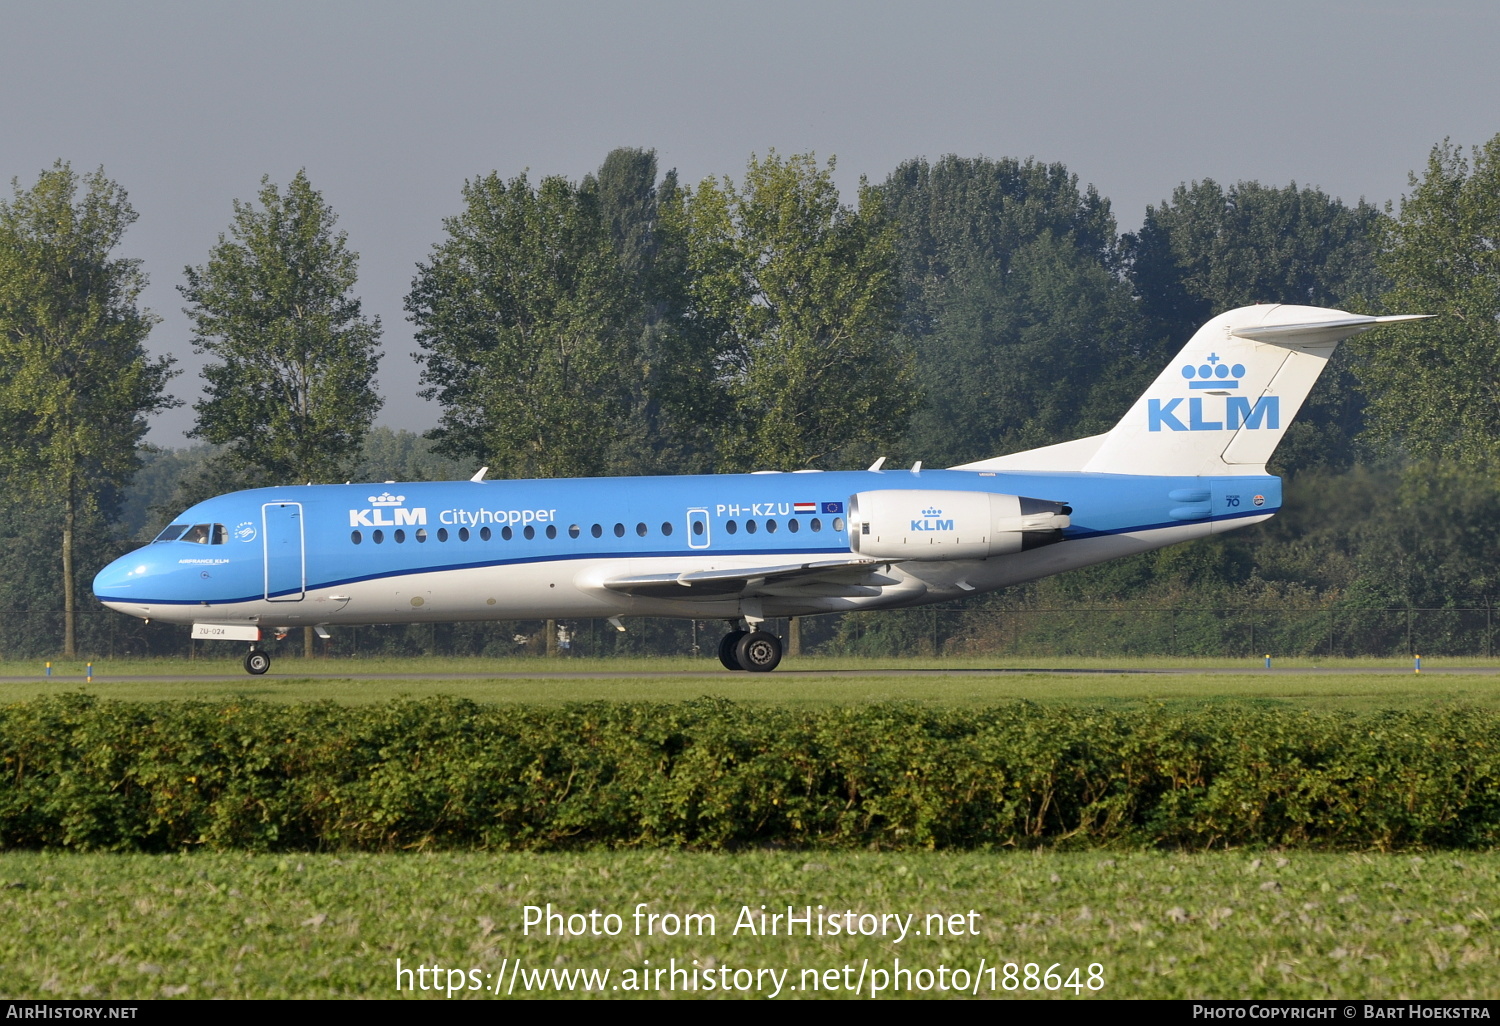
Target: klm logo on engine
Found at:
387, 512
1220, 411
930, 521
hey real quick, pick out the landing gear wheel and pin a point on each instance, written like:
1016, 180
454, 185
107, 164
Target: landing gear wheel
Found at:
758, 652
257, 662
727, 648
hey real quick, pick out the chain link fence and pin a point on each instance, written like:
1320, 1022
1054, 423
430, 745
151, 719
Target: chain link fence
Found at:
1229, 632
105, 634
932, 630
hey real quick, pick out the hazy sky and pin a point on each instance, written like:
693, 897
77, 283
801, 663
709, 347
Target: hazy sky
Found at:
390, 106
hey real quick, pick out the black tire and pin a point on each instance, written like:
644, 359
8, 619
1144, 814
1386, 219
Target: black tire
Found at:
257, 662
759, 652
727, 649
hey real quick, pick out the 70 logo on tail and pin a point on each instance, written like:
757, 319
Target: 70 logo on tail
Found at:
1237, 413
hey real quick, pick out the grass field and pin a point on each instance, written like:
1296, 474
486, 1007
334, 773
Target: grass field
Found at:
225, 659
1362, 690
1162, 926
1238, 924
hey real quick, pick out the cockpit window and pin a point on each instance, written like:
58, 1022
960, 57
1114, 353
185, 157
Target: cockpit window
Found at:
198, 534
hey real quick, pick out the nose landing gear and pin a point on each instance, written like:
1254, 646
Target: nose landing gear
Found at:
257, 662
757, 651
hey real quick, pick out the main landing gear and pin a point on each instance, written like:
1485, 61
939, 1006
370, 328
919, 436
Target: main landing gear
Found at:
756, 651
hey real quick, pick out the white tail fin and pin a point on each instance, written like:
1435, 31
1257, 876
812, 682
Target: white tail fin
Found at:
1223, 405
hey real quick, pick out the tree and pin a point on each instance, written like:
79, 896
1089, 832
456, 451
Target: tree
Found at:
672, 394
1012, 299
800, 294
1432, 539
1209, 249
1432, 384
76, 385
405, 456
523, 314
292, 393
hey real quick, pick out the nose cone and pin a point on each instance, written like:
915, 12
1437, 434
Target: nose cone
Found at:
122, 584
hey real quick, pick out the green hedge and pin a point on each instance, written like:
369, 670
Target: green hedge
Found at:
85, 774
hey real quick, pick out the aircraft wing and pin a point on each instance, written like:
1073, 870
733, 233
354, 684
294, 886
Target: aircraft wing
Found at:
830, 577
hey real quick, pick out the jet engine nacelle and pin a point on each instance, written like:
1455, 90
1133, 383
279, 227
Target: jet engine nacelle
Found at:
902, 524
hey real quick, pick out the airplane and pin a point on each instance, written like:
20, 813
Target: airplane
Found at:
1187, 460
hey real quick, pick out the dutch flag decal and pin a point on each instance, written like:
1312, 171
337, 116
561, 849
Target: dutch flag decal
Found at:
805, 507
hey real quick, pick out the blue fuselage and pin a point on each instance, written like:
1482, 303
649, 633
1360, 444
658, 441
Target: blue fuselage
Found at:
517, 549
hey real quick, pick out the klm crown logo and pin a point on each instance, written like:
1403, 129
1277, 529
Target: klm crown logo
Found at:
930, 521
1213, 373
377, 517
1219, 411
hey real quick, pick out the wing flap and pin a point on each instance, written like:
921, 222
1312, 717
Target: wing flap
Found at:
743, 581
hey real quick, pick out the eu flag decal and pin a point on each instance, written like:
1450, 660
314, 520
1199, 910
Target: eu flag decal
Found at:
833, 507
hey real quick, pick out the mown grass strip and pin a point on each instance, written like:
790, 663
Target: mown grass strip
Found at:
1358, 692
225, 659
1225, 925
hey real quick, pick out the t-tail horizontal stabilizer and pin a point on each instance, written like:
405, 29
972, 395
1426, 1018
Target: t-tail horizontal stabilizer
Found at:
1319, 332
1223, 405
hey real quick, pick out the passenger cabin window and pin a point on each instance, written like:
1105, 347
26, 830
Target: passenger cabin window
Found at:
171, 533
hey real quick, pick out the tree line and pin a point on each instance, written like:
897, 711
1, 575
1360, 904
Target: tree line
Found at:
629, 323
